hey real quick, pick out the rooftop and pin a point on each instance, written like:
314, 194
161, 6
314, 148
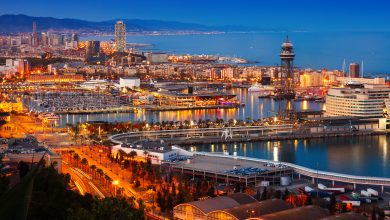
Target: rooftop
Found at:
222, 202
259, 208
346, 216
305, 212
154, 146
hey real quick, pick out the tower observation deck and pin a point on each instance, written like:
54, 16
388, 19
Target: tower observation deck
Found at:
285, 84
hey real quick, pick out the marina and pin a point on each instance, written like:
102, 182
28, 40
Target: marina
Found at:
254, 109
77, 102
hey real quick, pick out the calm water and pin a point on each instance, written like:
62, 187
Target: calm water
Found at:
313, 49
366, 156
255, 108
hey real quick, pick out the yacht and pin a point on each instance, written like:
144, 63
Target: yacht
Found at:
260, 88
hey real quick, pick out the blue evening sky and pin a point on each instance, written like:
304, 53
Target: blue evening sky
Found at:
354, 15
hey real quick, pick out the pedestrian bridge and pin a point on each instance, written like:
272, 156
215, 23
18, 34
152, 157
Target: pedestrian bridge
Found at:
227, 132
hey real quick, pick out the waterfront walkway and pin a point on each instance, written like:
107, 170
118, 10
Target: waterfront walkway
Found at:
232, 134
223, 134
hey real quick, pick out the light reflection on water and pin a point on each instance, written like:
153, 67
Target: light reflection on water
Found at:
255, 109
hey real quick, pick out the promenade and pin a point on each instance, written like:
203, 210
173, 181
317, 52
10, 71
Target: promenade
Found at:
232, 134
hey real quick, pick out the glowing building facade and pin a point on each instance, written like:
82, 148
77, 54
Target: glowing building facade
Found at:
120, 36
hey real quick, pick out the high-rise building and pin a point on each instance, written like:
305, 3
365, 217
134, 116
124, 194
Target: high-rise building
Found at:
34, 36
354, 70
75, 37
44, 39
92, 52
120, 36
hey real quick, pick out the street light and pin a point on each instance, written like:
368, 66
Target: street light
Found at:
115, 183
100, 155
250, 212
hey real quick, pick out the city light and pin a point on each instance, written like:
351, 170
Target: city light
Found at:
159, 119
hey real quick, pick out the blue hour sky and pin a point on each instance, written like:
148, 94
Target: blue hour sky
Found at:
331, 15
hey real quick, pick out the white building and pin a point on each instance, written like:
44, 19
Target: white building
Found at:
367, 102
96, 85
345, 80
129, 82
155, 151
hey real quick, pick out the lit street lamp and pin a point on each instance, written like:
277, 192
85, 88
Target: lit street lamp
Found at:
115, 183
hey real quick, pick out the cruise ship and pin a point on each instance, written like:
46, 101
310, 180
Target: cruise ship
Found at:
368, 101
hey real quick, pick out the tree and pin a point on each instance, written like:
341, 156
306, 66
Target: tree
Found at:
332, 204
76, 159
170, 202
264, 194
285, 194
23, 169
145, 154
258, 195
84, 162
277, 194
137, 184
100, 174
160, 201
93, 170
132, 154
211, 192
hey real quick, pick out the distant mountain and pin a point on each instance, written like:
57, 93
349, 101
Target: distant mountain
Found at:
23, 23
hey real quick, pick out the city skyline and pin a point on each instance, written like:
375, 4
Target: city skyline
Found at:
359, 15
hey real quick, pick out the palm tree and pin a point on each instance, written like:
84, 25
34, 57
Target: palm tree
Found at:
84, 162
76, 131
132, 154
145, 154
108, 179
76, 158
122, 154
92, 168
100, 174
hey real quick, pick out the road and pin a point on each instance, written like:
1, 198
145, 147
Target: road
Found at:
82, 181
122, 181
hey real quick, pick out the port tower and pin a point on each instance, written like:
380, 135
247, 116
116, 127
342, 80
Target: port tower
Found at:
285, 88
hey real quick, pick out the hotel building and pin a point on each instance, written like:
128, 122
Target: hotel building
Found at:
366, 102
